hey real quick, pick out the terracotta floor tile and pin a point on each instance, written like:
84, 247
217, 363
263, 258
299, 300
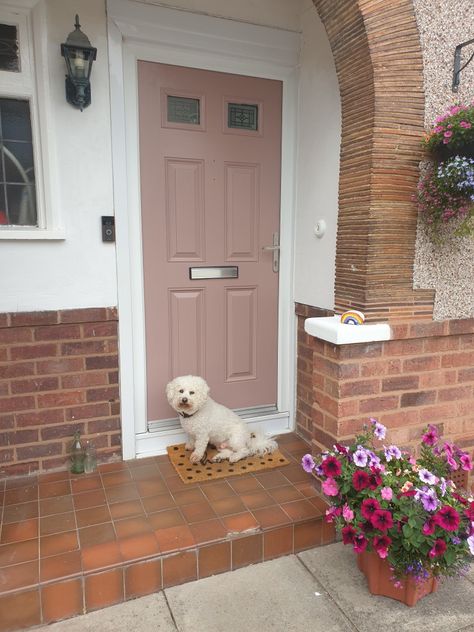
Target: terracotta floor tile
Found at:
17, 513
17, 552
58, 504
132, 526
89, 499
20, 610
270, 516
307, 488
111, 479
21, 495
19, 576
126, 509
247, 550
21, 481
179, 568
139, 546
97, 534
218, 491
295, 473
58, 488
245, 484
175, 538
240, 523
19, 531
320, 504
188, 496
300, 510
307, 535
120, 493
208, 531
59, 543
157, 503
278, 542
166, 469
271, 479
175, 484
57, 523
103, 589
214, 559
151, 487
143, 578
52, 477
58, 566
100, 556
93, 515
255, 500
145, 472
165, 519
197, 512
227, 506
285, 494
86, 484
61, 600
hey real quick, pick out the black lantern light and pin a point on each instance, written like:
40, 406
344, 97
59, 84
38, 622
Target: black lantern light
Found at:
79, 55
457, 63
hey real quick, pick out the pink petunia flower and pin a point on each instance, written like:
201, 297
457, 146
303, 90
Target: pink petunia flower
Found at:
347, 513
386, 493
330, 487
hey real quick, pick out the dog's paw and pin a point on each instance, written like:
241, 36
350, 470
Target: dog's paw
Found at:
189, 446
195, 457
217, 458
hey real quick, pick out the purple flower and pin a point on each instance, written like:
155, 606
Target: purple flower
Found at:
374, 460
429, 503
360, 457
307, 463
456, 540
379, 429
392, 452
443, 486
466, 462
427, 477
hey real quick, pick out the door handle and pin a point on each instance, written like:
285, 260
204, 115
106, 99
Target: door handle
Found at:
275, 248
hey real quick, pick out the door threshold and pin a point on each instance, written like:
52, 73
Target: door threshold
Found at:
169, 432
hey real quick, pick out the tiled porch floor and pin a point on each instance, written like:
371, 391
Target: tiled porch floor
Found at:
74, 544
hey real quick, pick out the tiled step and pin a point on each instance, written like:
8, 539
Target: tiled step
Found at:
73, 545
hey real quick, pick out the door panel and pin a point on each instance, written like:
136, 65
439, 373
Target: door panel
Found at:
210, 191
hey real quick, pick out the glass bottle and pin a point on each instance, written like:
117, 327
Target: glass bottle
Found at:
77, 454
90, 458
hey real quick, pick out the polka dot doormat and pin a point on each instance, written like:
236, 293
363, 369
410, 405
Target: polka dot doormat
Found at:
207, 470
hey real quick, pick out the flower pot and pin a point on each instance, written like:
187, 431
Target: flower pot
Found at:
378, 574
444, 152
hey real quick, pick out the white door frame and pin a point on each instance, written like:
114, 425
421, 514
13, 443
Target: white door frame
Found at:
154, 33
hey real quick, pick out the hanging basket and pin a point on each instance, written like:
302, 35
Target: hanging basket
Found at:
378, 574
441, 153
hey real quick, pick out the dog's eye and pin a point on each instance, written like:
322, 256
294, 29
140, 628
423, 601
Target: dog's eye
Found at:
181, 390
191, 392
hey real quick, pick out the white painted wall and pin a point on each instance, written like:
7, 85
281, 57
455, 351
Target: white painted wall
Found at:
319, 133
79, 271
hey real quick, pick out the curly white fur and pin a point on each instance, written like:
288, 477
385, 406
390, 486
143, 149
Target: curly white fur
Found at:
205, 421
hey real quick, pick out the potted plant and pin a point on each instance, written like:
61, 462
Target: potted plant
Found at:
452, 133
403, 516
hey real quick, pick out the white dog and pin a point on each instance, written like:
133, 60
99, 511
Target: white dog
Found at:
205, 421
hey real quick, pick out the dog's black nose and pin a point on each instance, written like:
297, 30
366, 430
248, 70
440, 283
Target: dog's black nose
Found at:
184, 399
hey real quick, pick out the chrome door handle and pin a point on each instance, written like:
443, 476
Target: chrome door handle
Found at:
275, 248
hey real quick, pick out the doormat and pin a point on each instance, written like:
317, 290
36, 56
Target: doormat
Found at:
207, 470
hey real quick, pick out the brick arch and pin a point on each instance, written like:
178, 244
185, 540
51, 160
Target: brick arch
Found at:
378, 59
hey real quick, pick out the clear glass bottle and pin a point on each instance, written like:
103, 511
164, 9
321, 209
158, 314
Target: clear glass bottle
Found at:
90, 458
77, 454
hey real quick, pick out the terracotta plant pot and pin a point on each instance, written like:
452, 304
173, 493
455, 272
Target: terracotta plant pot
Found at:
378, 574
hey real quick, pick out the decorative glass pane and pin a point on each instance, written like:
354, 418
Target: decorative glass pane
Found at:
183, 110
17, 175
243, 116
9, 54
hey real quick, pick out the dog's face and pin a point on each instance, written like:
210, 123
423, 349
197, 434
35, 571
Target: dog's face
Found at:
186, 394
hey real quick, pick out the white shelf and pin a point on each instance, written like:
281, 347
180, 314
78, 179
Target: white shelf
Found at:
331, 329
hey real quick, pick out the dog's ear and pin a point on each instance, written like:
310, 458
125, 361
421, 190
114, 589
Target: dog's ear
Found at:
170, 390
205, 387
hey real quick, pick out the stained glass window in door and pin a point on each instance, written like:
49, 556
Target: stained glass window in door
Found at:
9, 51
242, 116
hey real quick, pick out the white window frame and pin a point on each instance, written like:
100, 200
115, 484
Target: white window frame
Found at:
32, 84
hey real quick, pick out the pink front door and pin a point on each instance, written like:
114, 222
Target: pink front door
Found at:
210, 191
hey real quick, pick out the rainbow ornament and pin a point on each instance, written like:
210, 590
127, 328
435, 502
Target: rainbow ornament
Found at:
352, 317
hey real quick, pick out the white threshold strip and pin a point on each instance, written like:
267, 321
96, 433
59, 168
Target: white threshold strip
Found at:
167, 432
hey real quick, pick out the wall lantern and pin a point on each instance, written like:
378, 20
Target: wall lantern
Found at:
457, 63
79, 55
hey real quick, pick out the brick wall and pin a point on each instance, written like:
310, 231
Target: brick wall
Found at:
424, 375
58, 374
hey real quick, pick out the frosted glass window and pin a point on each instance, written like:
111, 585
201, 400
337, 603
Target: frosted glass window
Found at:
183, 110
242, 116
9, 53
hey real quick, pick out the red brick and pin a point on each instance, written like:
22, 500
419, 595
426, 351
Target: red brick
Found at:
87, 315
3, 354
60, 365
58, 332
15, 334
64, 398
18, 436
33, 351
446, 343
461, 326
360, 387
460, 392
4, 389
60, 431
110, 393
100, 330
6, 422
402, 383
376, 404
4, 320
422, 363
115, 408
89, 411
103, 425
102, 362
35, 385
39, 450
458, 359
437, 413
437, 378
84, 379
84, 347
466, 375
18, 369
22, 319
420, 398
425, 330
403, 347
6, 456
400, 418
113, 377
39, 418
381, 367
361, 351
9, 404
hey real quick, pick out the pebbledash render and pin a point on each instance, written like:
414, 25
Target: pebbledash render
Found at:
59, 368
